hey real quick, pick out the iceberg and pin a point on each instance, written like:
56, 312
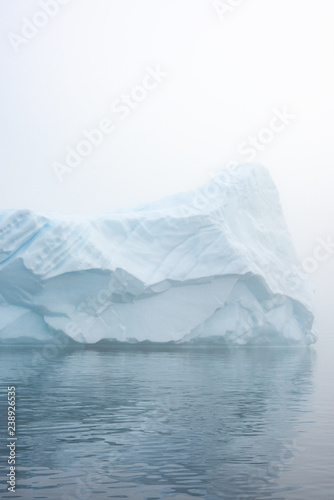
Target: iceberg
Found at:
215, 264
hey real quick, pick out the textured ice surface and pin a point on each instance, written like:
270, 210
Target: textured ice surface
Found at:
215, 264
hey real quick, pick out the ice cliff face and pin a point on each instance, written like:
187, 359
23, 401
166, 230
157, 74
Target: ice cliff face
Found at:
215, 263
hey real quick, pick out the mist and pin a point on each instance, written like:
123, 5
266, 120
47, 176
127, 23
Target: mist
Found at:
109, 104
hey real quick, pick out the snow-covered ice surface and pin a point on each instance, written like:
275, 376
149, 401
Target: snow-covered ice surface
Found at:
216, 264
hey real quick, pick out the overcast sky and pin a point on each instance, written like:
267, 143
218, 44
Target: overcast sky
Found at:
177, 89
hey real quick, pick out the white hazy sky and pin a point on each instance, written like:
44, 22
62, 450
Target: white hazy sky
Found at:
226, 75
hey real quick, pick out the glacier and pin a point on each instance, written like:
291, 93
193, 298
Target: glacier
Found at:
215, 264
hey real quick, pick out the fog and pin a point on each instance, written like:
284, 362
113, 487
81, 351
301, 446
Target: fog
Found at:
108, 104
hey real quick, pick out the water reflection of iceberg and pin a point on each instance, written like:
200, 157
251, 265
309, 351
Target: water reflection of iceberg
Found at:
188, 423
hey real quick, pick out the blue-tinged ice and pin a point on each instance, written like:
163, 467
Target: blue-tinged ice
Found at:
215, 264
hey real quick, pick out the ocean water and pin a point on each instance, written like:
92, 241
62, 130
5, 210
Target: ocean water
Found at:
205, 423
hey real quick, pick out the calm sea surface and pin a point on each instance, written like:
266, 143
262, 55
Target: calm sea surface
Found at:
207, 423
